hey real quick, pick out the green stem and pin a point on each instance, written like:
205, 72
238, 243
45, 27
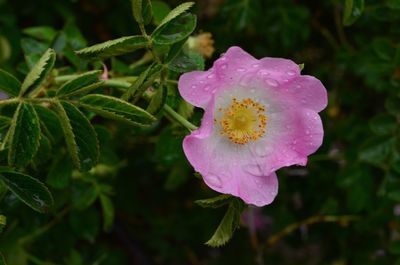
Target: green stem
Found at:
9, 101
177, 117
345, 219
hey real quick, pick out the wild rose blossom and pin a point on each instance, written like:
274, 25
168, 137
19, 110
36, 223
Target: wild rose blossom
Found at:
260, 115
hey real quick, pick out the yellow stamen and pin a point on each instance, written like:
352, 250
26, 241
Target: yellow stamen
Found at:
243, 121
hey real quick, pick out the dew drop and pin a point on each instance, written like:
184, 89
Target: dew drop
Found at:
291, 73
206, 88
263, 73
272, 193
223, 66
271, 82
255, 65
210, 76
213, 91
214, 181
240, 69
194, 86
253, 169
307, 132
298, 86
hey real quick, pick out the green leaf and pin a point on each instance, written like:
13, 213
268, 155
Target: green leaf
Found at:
79, 83
3, 222
4, 122
2, 259
394, 247
145, 79
9, 84
43, 153
228, 224
49, 122
186, 62
392, 104
86, 198
175, 12
41, 33
215, 202
175, 30
108, 212
117, 109
28, 189
113, 47
80, 136
383, 124
160, 11
185, 109
377, 151
39, 72
158, 100
60, 172
175, 50
352, 11
24, 135
142, 11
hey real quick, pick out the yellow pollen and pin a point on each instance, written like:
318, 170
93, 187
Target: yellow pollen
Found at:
243, 121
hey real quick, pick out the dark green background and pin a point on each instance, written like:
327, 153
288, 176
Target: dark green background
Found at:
355, 172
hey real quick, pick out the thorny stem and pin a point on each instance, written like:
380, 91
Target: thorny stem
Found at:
344, 220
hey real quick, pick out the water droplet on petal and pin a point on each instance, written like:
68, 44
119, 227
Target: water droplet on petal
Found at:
213, 91
307, 132
214, 181
255, 65
194, 86
271, 82
210, 76
206, 88
240, 69
223, 66
253, 169
298, 86
291, 73
272, 193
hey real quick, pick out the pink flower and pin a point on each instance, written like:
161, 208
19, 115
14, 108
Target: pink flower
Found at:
260, 115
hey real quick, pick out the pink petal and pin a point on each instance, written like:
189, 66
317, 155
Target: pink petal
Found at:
292, 136
224, 169
198, 87
308, 92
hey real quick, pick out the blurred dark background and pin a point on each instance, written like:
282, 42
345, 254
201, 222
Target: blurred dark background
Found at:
356, 172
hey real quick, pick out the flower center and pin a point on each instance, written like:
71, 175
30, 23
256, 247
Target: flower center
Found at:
243, 121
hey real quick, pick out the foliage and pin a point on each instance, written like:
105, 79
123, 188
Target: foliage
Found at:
91, 165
